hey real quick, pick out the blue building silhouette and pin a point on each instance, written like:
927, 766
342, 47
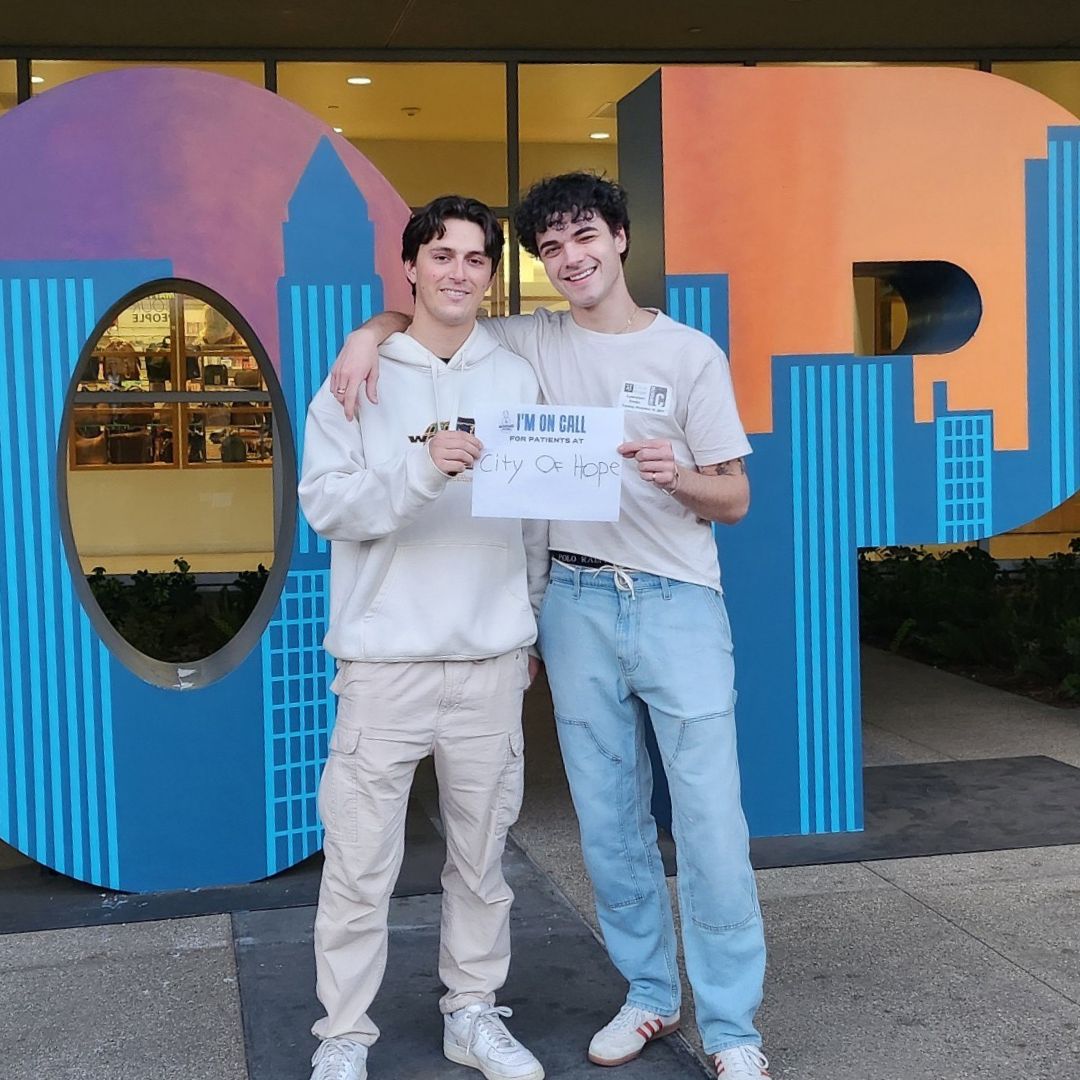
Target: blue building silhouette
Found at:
329, 286
846, 466
105, 777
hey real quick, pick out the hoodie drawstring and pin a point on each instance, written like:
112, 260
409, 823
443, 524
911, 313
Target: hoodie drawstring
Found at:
435, 390
409, 351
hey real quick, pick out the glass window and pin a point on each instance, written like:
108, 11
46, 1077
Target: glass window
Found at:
1058, 80
568, 116
172, 392
172, 478
9, 94
497, 299
881, 316
429, 129
567, 120
45, 74
971, 65
167, 347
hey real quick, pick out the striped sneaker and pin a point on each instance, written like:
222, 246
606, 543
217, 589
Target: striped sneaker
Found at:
745, 1062
625, 1037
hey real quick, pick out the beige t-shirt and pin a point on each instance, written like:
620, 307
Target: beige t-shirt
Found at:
673, 383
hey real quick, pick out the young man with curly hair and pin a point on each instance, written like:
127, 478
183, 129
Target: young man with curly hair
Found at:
633, 627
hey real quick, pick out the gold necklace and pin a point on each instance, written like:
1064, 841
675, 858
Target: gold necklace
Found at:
633, 316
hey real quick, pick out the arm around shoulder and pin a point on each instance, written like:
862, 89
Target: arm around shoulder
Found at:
357, 364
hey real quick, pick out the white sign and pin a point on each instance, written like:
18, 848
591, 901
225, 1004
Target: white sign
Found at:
545, 462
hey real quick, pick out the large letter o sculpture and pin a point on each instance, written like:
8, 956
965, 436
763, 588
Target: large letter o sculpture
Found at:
110, 183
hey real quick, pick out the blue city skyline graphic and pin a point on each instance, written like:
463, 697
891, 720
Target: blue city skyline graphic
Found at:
847, 466
82, 739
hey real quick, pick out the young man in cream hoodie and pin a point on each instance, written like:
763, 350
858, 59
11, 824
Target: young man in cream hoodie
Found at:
431, 620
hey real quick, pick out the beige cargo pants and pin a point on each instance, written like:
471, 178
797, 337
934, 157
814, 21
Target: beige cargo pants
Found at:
390, 716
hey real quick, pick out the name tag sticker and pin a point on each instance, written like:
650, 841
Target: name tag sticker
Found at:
647, 397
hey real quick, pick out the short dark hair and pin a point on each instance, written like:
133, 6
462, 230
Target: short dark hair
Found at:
571, 196
429, 223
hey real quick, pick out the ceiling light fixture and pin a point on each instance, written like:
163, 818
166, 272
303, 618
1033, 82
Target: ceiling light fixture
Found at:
598, 135
358, 80
339, 130
37, 80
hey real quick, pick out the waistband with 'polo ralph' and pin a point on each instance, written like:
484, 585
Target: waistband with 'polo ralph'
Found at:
623, 577
582, 562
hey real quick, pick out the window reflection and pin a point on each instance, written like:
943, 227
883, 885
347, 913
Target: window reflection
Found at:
568, 121
497, 298
228, 434
562, 108
171, 443
45, 74
1058, 80
170, 342
9, 95
430, 129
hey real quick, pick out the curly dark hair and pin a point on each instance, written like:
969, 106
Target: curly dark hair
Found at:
429, 223
572, 196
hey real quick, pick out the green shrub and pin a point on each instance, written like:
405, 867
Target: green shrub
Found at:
169, 616
961, 610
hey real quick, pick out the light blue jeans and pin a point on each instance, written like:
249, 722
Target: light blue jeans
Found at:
619, 647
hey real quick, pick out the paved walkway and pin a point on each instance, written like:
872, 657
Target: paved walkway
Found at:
942, 968
913, 969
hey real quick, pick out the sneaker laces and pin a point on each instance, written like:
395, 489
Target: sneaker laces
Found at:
630, 1018
486, 1021
334, 1059
746, 1057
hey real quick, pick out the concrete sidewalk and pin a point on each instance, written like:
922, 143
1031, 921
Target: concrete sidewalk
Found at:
907, 969
231, 996
937, 968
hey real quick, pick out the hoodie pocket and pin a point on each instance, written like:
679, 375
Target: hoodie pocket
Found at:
446, 599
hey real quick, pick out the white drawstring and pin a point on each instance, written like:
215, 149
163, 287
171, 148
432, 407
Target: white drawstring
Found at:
623, 581
433, 361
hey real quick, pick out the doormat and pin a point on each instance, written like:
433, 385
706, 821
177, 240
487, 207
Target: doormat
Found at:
562, 987
941, 808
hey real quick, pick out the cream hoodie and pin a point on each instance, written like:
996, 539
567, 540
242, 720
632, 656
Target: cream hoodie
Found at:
413, 576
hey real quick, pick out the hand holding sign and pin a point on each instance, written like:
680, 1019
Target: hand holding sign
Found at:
655, 460
545, 462
453, 451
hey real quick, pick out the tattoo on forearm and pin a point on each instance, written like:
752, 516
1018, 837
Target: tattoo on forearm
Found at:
735, 467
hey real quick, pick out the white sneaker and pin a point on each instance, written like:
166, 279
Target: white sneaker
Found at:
624, 1037
340, 1059
477, 1037
741, 1063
